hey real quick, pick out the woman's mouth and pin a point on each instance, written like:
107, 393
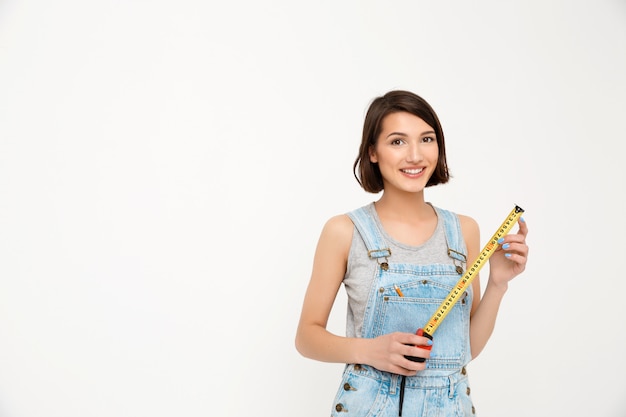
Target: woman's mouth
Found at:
412, 171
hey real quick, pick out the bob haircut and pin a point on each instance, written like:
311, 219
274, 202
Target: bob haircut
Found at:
368, 173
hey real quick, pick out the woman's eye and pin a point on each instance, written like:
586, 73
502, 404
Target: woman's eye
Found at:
429, 139
397, 142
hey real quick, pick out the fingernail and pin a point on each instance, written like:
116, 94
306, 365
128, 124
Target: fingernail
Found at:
508, 255
506, 246
429, 342
521, 219
501, 240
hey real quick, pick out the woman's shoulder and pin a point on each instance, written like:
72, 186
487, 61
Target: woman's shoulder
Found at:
469, 226
470, 229
343, 224
467, 222
339, 226
336, 236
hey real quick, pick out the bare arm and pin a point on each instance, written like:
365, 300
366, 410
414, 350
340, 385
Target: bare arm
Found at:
329, 267
501, 270
315, 342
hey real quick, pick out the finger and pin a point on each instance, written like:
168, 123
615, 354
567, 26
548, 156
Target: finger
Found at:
414, 363
416, 352
523, 227
415, 340
414, 368
515, 247
409, 372
518, 259
512, 238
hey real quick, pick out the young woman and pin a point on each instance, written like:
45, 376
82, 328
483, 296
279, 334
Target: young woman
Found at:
398, 258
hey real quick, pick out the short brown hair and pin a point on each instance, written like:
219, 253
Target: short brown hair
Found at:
366, 172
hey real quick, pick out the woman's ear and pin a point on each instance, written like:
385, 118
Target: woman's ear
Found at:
372, 153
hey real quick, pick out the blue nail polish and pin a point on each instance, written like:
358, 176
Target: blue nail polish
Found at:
506, 246
501, 240
430, 342
521, 219
508, 255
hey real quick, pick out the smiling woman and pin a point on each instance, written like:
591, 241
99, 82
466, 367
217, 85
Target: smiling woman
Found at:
166, 169
398, 258
399, 114
406, 153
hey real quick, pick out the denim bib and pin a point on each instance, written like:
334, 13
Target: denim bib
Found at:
441, 389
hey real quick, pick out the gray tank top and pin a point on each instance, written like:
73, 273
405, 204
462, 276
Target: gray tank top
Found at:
361, 270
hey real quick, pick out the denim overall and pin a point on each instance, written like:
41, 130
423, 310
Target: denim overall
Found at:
441, 390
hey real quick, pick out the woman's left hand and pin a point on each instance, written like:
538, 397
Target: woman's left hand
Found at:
509, 260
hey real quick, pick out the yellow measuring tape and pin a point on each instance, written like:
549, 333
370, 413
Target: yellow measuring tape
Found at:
460, 288
471, 273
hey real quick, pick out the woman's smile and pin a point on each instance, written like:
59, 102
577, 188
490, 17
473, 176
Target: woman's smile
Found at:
412, 171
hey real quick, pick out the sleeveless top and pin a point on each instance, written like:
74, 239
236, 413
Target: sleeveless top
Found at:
363, 271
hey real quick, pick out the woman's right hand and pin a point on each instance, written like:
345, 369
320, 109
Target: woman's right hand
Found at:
388, 353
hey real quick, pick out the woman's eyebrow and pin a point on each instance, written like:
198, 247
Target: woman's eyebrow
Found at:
428, 132
397, 133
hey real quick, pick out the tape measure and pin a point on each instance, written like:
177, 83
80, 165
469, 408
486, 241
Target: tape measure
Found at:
465, 281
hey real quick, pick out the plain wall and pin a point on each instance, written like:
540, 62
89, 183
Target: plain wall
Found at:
166, 169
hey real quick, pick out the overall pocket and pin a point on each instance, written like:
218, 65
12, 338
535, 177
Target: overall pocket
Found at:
422, 292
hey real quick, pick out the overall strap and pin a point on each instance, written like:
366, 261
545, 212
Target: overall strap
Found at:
454, 235
371, 235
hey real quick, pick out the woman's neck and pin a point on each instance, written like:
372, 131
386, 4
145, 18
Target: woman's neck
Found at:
409, 207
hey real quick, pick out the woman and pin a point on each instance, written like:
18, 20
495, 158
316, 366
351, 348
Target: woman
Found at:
398, 258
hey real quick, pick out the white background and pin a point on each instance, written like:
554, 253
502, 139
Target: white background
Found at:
166, 168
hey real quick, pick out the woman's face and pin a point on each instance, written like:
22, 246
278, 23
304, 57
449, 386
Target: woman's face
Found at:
406, 152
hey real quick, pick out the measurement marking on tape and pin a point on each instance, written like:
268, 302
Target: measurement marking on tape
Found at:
470, 274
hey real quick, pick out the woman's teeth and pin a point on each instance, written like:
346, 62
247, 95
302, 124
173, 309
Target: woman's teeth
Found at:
412, 171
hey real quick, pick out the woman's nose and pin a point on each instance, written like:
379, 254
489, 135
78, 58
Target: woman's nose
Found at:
413, 153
